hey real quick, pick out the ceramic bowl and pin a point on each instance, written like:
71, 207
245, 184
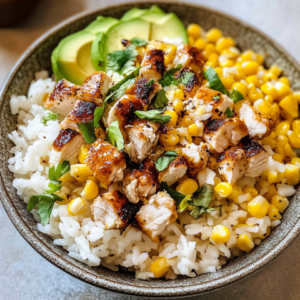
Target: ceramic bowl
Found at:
37, 58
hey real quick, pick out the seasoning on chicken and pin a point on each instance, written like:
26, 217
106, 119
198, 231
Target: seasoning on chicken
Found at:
190, 57
63, 98
106, 162
256, 155
232, 164
143, 136
221, 133
114, 210
153, 64
141, 183
196, 158
66, 146
194, 83
153, 218
176, 170
217, 100
258, 124
94, 88
82, 112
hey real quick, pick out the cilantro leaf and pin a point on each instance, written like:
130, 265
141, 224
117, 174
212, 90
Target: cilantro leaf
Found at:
203, 196
170, 153
187, 77
161, 101
195, 213
168, 77
97, 116
150, 82
236, 96
163, 162
215, 82
88, 132
121, 61
50, 117
53, 187
184, 203
229, 113
115, 136
61, 169
178, 197
153, 115
138, 42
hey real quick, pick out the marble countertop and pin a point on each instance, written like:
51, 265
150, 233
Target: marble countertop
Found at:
26, 275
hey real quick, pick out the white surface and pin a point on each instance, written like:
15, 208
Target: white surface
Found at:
26, 275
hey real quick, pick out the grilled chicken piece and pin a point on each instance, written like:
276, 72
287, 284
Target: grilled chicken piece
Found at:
82, 112
190, 57
221, 133
143, 136
176, 169
142, 90
232, 164
114, 210
192, 86
153, 64
218, 101
153, 218
258, 124
106, 162
63, 98
141, 183
196, 158
94, 88
66, 146
257, 156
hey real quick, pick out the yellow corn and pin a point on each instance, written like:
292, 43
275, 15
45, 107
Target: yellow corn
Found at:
296, 161
254, 80
292, 174
187, 187
282, 140
258, 207
269, 141
276, 70
77, 206
84, 151
236, 191
212, 163
224, 43
213, 35
63, 196
193, 130
290, 106
277, 157
160, 267
178, 106
273, 213
200, 44
209, 48
269, 99
252, 191
249, 67
266, 234
282, 89
296, 126
185, 121
281, 203
279, 150
260, 59
280, 176
80, 171
219, 71
171, 138
228, 82
282, 128
271, 192
194, 30
174, 117
90, 190
221, 234
226, 63
269, 76
296, 96
272, 177
241, 87
255, 95
294, 140
248, 55
169, 50
67, 177
288, 150
285, 80
224, 189
191, 40
268, 89
244, 243
217, 180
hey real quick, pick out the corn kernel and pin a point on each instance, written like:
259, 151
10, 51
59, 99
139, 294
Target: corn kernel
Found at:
189, 138
212, 163
263, 236
214, 57
276, 70
296, 161
288, 150
187, 187
84, 151
241, 87
224, 189
249, 67
221, 234
225, 63
282, 128
210, 48
90, 190
290, 106
258, 207
77, 206
269, 99
178, 94
160, 267
282, 89
171, 138
228, 82
185, 121
248, 55
282, 140
236, 191
80, 172
269, 141
260, 59
268, 89
231, 52
219, 71
213, 35
285, 80
244, 243
271, 192
64, 197
272, 176
67, 177
281, 203
174, 117
191, 40
200, 44
292, 174
277, 157
252, 191
268, 76
194, 30
224, 43
279, 150
254, 80
178, 106
280, 177
273, 213
217, 180
193, 130
296, 96
296, 126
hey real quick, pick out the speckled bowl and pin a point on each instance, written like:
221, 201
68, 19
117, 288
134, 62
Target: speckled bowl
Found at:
37, 58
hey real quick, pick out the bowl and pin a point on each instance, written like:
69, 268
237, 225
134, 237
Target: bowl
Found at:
37, 57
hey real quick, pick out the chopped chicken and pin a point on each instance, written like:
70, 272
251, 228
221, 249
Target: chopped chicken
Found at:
256, 155
258, 124
153, 218
141, 183
221, 133
196, 158
143, 136
82, 112
63, 98
66, 146
190, 57
219, 102
194, 83
232, 164
114, 210
176, 170
153, 64
142, 90
106, 162
94, 88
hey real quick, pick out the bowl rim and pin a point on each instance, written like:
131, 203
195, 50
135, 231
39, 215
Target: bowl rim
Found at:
107, 284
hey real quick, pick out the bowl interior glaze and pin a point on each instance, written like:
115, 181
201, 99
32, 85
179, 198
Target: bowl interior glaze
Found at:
37, 58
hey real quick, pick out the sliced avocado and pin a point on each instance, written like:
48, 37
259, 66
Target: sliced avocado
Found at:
152, 17
138, 12
156, 9
96, 53
170, 26
74, 57
124, 30
101, 24
54, 64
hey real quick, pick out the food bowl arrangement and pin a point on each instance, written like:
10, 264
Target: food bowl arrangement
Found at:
210, 215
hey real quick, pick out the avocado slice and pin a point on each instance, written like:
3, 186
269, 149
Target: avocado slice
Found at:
101, 24
156, 9
170, 26
138, 12
152, 17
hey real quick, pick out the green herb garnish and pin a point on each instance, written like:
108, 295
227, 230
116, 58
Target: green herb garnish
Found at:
168, 77
178, 197
115, 136
138, 42
88, 132
163, 162
215, 82
161, 101
50, 117
150, 82
186, 78
229, 113
154, 115
236, 96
